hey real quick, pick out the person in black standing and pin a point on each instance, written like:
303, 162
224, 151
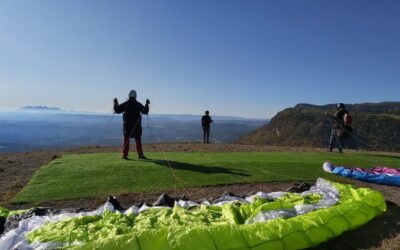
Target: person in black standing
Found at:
340, 129
205, 123
132, 119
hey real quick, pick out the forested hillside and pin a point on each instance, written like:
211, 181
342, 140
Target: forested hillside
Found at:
376, 126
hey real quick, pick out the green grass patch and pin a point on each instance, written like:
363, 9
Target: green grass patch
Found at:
92, 175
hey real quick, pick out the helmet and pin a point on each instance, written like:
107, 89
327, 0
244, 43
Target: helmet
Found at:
340, 106
132, 94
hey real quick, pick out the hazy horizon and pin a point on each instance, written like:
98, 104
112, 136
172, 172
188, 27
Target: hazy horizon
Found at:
55, 110
51, 109
25, 130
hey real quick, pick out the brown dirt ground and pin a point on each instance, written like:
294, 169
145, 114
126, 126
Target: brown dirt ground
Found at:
383, 232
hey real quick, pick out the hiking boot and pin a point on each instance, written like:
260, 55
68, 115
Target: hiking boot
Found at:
124, 158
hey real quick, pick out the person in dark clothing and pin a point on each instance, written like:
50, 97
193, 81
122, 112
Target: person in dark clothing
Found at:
339, 129
205, 123
132, 122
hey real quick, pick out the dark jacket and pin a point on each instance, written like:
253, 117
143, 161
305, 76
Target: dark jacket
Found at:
132, 117
206, 121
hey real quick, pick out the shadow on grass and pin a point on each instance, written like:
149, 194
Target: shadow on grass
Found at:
370, 235
198, 168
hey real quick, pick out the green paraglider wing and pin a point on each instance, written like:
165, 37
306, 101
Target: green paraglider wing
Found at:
291, 221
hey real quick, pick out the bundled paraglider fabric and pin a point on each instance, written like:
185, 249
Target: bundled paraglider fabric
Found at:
277, 220
381, 175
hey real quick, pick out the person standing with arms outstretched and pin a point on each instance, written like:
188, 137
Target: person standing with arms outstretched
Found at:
205, 123
132, 119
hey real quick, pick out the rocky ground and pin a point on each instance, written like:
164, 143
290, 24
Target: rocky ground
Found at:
16, 169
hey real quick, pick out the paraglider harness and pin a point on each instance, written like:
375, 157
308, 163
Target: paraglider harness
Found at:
343, 127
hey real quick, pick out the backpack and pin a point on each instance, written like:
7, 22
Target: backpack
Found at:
347, 119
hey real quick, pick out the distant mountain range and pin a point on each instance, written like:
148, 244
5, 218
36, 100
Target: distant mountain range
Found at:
40, 108
176, 117
34, 127
376, 126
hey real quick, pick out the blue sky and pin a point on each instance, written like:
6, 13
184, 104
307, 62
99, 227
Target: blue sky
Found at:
242, 58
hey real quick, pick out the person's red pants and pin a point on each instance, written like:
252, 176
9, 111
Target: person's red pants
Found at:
125, 147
